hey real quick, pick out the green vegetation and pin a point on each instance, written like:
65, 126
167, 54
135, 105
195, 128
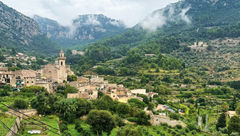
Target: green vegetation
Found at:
8, 120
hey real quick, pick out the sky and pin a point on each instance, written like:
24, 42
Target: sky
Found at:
130, 12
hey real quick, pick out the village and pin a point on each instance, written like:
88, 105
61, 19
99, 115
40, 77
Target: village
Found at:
52, 75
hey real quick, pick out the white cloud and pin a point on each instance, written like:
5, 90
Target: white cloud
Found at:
92, 20
154, 22
184, 17
129, 11
158, 20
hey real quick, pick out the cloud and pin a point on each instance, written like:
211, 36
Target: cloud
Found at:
129, 11
154, 22
159, 18
184, 17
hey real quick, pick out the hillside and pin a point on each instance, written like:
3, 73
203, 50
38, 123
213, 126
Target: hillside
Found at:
184, 21
84, 29
183, 26
21, 32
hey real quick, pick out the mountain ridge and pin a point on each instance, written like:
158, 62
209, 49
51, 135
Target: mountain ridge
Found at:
22, 32
84, 29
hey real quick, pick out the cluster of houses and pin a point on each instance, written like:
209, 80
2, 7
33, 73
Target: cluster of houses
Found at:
89, 87
23, 59
47, 76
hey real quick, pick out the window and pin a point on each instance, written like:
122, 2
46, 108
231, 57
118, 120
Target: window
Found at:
27, 81
61, 63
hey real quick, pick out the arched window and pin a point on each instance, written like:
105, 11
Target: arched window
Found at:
61, 63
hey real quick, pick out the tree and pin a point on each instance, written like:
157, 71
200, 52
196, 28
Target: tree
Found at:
20, 104
123, 109
234, 124
129, 131
101, 120
44, 103
66, 89
145, 98
142, 118
106, 103
70, 109
221, 123
238, 109
150, 105
4, 91
137, 103
72, 78
33, 89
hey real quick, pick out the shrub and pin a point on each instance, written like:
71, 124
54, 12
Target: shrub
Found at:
20, 104
174, 116
63, 127
179, 126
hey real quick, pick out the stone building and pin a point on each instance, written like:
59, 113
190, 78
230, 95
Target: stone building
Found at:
7, 77
45, 77
56, 72
25, 77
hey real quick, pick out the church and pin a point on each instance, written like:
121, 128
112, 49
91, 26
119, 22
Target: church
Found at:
57, 72
45, 77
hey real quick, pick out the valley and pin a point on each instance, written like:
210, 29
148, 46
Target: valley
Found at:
175, 73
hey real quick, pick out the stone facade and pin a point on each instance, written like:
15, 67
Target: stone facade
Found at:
56, 72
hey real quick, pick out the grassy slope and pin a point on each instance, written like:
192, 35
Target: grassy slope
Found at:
8, 120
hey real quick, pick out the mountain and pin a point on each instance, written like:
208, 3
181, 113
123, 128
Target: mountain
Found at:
84, 29
186, 21
21, 32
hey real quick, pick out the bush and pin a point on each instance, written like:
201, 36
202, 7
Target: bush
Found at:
78, 127
4, 92
129, 131
72, 78
179, 126
174, 116
63, 127
20, 104
33, 89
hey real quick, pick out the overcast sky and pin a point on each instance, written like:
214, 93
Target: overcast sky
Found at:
129, 11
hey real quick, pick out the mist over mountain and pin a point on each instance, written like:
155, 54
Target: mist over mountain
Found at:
84, 29
202, 13
184, 21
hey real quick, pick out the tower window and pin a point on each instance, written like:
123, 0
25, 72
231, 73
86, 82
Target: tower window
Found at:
61, 63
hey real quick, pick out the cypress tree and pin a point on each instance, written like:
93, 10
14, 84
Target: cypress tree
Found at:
221, 121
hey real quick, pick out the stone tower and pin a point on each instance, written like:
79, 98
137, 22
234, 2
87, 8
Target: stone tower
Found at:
61, 59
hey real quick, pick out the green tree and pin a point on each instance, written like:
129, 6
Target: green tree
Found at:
137, 103
221, 123
44, 103
101, 120
33, 89
20, 104
142, 118
70, 109
238, 109
129, 131
72, 78
106, 103
123, 109
234, 124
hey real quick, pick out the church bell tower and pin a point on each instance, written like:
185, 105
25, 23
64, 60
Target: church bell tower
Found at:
61, 59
